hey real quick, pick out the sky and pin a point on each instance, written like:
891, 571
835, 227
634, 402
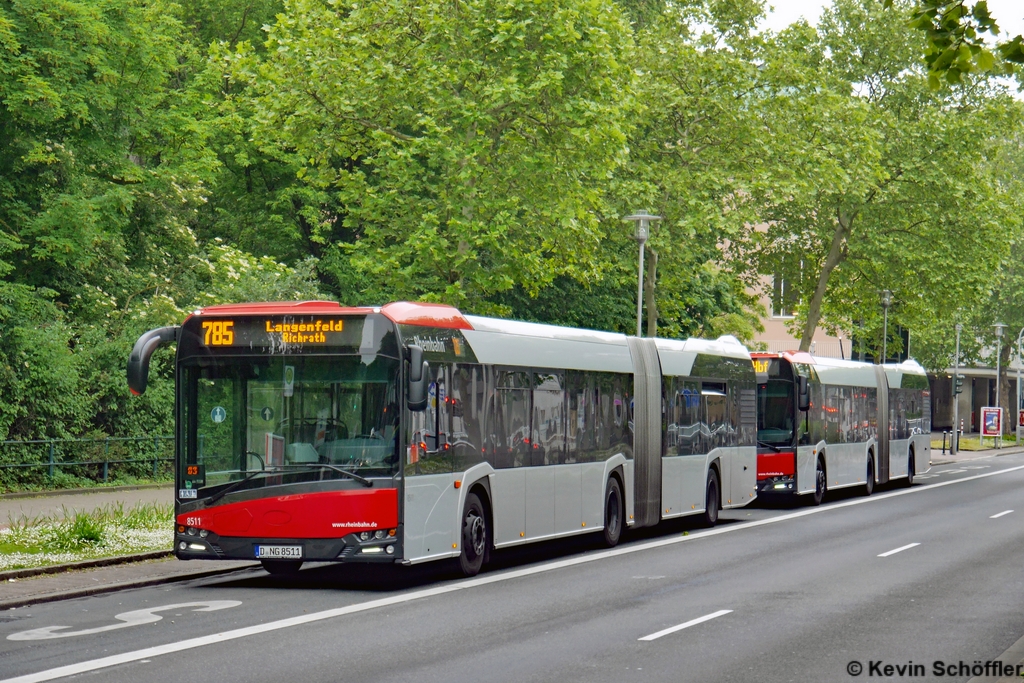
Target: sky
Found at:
1009, 14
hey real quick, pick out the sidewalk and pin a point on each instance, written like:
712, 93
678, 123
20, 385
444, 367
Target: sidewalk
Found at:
28, 506
17, 592
940, 458
81, 579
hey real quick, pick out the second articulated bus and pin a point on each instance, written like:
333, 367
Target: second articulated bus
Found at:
411, 432
827, 424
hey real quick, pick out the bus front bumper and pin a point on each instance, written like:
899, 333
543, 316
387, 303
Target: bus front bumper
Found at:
782, 485
350, 548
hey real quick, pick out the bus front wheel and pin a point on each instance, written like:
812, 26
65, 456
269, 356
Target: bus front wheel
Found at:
613, 513
712, 501
474, 536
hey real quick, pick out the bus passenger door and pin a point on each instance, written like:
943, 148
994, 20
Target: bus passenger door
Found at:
715, 428
431, 499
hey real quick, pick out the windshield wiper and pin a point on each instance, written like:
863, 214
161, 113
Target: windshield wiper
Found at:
351, 475
223, 492
322, 466
768, 445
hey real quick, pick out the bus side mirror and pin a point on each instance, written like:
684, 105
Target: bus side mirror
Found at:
803, 395
419, 373
138, 361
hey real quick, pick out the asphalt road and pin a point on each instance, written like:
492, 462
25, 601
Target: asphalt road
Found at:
773, 593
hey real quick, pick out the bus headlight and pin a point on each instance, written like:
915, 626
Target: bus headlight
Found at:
364, 535
379, 534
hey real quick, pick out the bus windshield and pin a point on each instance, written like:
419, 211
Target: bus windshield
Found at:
775, 401
257, 422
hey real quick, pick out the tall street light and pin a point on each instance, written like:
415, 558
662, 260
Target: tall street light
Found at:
641, 220
999, 352
955, 445
886, 303
1017, 416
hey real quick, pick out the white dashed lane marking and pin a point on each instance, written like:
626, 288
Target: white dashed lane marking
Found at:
688, 624
899, 550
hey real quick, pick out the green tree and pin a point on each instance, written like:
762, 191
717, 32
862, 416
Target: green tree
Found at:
462, 145
888, 185
956, 40
694, 152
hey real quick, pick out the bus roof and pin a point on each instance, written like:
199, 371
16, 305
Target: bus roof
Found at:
510, 342
401, 312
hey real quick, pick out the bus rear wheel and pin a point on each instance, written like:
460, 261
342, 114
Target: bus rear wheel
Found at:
613, 513
712, 500
869, 485
281, 567
820, 483
910, 470
474, 536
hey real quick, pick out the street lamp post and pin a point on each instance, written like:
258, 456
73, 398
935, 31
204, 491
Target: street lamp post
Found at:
641, 220
1017, 416
886, 303
999, 352
954, 445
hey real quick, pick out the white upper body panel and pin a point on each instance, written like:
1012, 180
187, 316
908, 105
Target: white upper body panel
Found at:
511, 342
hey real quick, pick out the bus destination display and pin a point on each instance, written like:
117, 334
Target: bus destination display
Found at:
279, 331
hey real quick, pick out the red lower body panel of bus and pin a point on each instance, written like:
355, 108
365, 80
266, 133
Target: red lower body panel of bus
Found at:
321, 526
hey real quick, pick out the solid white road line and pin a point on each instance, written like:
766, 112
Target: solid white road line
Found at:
1004, 512
680, 627
899, 550
134, 656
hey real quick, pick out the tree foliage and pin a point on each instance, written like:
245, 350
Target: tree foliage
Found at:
460, 146
157, 156
957, 43
890, 185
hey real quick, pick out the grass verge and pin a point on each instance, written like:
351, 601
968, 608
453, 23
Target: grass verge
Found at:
104, 532
972, 443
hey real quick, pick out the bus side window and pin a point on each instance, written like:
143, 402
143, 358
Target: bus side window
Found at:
467, 407
688, 408
714, 427
512, 403
548, 442
429, 451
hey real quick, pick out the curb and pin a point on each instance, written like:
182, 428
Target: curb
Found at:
78, 492
114, 587
84, 564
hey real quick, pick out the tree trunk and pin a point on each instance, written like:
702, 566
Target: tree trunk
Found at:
1003, 391
834, 258
650, 277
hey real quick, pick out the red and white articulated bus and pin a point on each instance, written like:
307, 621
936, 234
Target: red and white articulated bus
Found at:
824, 423
411, 432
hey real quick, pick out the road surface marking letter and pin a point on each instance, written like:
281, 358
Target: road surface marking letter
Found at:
133, 618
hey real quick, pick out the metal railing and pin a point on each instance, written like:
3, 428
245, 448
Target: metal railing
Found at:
21, 461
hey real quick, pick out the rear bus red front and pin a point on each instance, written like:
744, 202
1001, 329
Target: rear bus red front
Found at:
776, 472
